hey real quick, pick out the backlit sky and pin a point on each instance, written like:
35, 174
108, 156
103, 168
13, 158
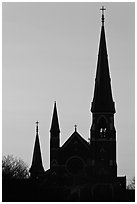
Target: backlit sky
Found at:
50, 54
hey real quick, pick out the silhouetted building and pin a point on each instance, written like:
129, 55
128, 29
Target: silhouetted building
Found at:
81, 170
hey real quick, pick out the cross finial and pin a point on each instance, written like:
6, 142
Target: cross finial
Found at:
75, 128
37, 126
102, 9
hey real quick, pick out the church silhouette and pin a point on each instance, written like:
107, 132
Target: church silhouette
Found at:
83, 170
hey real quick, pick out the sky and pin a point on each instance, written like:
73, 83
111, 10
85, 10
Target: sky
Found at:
49, 53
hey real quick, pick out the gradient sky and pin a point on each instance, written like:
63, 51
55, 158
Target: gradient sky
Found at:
50, 54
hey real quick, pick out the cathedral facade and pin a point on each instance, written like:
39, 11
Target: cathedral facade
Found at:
83, 170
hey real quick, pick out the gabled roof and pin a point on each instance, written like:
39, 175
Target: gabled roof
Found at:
75, 137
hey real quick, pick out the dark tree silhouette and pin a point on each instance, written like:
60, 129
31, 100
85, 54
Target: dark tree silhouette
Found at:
13, 167
131, 184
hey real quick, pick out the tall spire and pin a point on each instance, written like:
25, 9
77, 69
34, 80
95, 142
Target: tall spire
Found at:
102, 100
102, 131
36, 167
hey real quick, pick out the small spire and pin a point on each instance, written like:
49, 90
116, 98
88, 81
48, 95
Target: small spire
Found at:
75, 128
102, 18
36, 167
37, 128
55, 122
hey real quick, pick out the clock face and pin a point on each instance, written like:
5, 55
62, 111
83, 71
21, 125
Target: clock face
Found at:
75, 165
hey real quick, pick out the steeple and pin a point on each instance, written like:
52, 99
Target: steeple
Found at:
36, 167
55, 123
102, 132
54, 137
102, 100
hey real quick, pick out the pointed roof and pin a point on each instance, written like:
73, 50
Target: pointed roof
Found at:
37, 166
55, 123
102, 100
75, 137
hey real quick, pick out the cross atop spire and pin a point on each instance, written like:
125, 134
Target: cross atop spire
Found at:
75, 128
102, 9
37, 127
